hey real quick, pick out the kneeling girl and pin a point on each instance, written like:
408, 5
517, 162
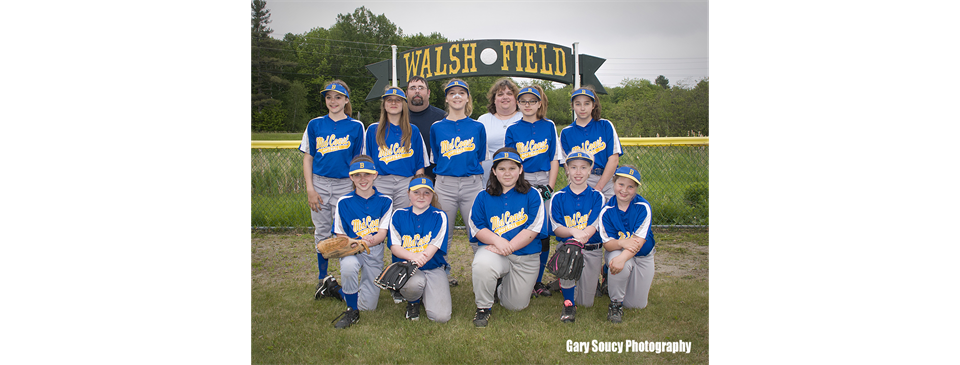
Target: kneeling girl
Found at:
626, 227
576, 215
418, 234
504, 221
363, 214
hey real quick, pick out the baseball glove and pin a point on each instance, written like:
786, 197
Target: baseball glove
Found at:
395, 275
545, 191
337, 247
567, 261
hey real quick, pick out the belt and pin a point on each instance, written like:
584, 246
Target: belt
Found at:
597, 171
591, 246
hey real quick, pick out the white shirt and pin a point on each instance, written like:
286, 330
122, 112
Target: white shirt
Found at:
496, 132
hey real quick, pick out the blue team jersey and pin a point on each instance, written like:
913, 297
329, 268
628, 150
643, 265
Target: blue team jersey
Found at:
636, 221
599, 138
332, 144
572, 210
507, 215
414, 232
536, 142
395, 159
357, 217
458, 147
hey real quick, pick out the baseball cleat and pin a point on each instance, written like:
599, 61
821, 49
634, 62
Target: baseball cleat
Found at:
540, 290
397, 297
482, 316
347, 318
327, 287
615, 312
453, 282
569, 312
413, 311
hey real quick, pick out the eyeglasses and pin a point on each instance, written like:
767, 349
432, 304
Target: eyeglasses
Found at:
393, 100
416, 88
528, 102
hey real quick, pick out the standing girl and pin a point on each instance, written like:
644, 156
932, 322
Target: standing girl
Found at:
626, 227
457, 147
535, 138
592, 135
505, 220
418, 234
328, 145
363, 214
396, 146
575, 215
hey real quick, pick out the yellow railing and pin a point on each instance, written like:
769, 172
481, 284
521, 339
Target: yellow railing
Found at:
625, 141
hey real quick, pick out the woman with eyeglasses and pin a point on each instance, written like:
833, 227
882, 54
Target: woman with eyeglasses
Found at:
535, 138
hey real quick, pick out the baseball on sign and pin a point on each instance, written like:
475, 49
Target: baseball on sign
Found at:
488, 56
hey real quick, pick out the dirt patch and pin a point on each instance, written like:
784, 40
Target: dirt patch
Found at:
683, 253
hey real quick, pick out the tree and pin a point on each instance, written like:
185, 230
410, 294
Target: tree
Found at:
662, 81
261, 17
296, 107
362, 38
267, 67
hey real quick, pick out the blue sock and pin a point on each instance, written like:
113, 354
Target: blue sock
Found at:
322, 265
568, 294
351, 299
544, 256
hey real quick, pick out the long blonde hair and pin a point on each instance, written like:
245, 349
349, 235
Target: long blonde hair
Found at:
405, 129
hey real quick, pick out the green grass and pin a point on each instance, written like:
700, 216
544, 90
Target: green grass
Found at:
289, 327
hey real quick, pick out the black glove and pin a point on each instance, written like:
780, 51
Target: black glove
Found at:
567, 262
545, 191
395, 275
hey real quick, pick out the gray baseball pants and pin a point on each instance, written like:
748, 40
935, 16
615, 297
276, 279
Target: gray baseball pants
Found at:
632, 285
432, 288
519, 274
357, 274
587, 283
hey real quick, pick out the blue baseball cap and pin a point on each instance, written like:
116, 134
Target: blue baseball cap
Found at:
580, 155
629, 172
362, 166
395, 92
582, 91
456, 83
507, 155
529, 90
421, 182
335, 87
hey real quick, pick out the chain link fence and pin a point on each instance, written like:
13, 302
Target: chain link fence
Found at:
675, 180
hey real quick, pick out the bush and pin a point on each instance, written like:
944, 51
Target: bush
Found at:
696, 194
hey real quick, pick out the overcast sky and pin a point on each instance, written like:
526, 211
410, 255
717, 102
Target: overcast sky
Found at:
639, 39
